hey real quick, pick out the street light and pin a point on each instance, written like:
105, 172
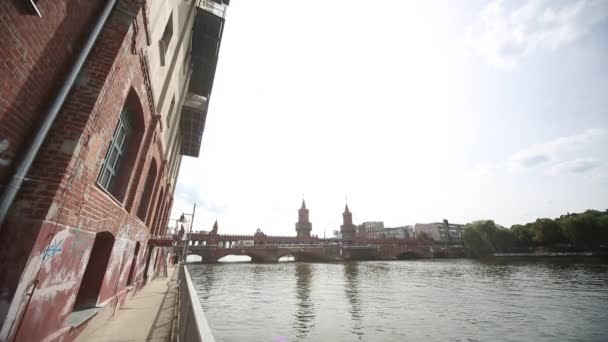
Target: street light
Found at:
183, 219
174, 230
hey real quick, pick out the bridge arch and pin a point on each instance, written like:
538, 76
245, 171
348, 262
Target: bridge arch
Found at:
235, 258
289, 257
194, 258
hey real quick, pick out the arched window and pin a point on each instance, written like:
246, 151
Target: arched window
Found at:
155, 226
144, 202
117, 165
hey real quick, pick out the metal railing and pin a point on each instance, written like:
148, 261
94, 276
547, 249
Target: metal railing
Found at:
259, 246
192, 324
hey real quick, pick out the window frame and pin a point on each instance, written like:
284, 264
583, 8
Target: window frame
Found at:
165, 39
111, 163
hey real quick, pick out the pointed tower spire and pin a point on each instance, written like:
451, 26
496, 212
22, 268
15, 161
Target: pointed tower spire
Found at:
347, 228
303, 226
214, 230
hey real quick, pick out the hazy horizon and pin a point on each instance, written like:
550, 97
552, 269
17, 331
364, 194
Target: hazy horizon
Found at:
416, 111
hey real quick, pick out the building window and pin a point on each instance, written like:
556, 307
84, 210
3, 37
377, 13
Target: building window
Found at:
146, 196
110, 168
166, 39
170, 112
187, 56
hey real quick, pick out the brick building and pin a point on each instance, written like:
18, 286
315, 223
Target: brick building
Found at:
104, 97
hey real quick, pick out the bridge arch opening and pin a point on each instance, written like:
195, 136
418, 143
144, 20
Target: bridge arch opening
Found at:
287, 258
220, 244
194, 258
235, 258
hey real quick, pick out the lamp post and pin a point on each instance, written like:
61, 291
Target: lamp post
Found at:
172, 230
184, 219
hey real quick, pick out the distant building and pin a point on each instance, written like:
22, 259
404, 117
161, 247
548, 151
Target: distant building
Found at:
303, 226
440, 231
403, 232
348, 230
370, 229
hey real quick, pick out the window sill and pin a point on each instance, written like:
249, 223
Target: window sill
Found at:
80, 316
107, 193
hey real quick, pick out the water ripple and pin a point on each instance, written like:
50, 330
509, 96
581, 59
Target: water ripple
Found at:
406, 300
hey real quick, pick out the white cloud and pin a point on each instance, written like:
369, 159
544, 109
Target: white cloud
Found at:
484, 169
504, 35
579, 165
550, 152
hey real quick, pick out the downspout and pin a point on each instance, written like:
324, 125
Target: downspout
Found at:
8, 197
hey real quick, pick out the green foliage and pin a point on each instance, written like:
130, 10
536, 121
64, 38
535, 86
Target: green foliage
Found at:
523, 233
486, 237
547, 232
586, 231
477, 238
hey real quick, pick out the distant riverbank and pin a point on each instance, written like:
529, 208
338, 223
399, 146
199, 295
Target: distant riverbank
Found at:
551, 254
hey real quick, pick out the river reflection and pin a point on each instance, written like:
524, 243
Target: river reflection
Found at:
445, 300
304, 317
351, 271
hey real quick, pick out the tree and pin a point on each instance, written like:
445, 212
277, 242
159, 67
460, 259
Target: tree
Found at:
588, 230
523, 233
505, 240
477, 237
547, 232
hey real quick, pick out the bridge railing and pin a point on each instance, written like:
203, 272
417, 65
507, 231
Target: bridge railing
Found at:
260, 246
192, 324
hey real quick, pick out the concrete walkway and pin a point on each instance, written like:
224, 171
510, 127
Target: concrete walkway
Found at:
147, 316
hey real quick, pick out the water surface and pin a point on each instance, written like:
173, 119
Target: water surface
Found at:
452, 300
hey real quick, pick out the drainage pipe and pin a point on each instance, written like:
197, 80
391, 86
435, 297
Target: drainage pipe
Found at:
8, 197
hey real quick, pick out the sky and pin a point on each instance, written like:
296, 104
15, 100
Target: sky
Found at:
413, 111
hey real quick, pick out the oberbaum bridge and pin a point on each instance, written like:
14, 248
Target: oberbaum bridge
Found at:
211, 246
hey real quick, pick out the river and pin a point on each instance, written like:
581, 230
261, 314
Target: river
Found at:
448, 300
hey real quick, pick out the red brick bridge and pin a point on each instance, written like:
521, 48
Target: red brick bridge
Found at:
315, 252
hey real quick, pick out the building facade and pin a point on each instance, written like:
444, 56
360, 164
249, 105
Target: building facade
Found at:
370, 229
81, 232
403, 232
443, 232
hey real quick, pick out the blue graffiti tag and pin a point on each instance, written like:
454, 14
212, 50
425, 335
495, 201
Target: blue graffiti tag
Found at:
51, 250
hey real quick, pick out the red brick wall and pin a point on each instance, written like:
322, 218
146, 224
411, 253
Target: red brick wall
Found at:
35, 54
64, 205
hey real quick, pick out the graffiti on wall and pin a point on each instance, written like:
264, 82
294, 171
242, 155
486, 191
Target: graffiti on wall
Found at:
51, 250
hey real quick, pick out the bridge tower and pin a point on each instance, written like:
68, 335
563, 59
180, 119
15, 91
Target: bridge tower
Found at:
214, 229
347, 229
303, 226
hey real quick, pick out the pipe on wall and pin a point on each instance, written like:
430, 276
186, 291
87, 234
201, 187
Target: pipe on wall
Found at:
8, 197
